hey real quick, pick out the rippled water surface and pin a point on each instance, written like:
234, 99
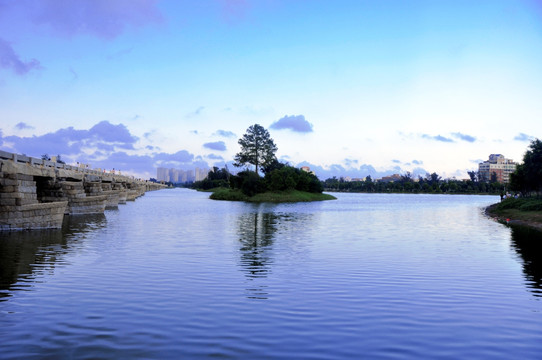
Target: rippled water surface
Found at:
175, 275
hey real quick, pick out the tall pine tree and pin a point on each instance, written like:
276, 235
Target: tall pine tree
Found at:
257, 148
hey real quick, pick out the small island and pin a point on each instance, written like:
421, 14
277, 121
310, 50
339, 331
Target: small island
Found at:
280, 183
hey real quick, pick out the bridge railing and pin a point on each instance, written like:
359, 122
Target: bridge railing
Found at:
18, 158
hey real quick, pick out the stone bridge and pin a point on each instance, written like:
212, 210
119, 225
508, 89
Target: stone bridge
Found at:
37, 194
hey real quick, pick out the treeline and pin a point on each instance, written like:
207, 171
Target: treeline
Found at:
527, 179
278, 177
430, 184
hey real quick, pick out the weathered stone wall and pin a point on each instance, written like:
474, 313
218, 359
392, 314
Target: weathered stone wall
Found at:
17, 190
36, 193
112, 198
87, 205
93, 188
123, 193
107, 186
33, 216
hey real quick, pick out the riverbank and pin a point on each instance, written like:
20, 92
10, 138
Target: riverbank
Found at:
275, 197
522, 212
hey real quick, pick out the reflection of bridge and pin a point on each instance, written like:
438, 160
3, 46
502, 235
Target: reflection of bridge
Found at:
37, 193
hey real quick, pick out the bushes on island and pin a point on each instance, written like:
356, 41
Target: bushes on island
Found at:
278, 177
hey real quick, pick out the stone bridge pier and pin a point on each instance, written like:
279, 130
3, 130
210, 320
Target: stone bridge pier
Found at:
36, 194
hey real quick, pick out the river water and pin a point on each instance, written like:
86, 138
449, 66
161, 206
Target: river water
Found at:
176, 275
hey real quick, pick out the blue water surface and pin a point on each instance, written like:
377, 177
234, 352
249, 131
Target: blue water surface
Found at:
366, 276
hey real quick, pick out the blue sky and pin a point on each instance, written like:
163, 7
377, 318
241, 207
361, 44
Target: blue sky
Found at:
350, 88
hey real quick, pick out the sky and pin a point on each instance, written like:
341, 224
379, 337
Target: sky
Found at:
349, 88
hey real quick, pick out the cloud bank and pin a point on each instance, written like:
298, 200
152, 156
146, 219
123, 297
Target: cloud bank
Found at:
217, 145
362, 171
225, 133
11, 61
105, 19
104, 146
523, 137
295, 123
102, 137
436, 138
107, 146
23, 126
102, 18
464, 137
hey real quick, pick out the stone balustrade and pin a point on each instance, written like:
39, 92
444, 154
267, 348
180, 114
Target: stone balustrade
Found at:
36, 194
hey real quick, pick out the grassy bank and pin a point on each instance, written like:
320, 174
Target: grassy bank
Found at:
523, 211
276, 197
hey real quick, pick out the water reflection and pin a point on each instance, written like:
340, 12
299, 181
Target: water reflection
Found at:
25, 255
528, 244
258, 231
256, 235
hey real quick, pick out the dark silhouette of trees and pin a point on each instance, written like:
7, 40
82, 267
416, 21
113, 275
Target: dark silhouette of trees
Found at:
473, 175
257, 148
528, 176
215, 178
431, 183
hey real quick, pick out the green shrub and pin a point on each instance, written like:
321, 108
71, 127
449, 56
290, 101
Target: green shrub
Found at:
289, 178
523, 204
228, 194
249, 182
531, 205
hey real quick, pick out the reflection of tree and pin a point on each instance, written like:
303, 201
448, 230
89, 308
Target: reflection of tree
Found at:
256, 231
24, 255
528, 244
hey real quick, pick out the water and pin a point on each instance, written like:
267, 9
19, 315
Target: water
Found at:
175, 275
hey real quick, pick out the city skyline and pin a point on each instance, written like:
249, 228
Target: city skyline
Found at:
179, 176
347, 88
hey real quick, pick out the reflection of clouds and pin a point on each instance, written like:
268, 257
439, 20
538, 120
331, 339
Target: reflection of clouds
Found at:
528, 244
25, 255
258, 232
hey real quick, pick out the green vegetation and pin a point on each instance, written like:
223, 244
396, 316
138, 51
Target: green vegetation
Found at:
229, 194
216, 178
527, 180
430, 184
523, 204
524, 211
257, 148
281, 183
270, 196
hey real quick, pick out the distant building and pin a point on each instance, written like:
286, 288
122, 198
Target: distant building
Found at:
497, 166
307, 169
391, 178
177, 176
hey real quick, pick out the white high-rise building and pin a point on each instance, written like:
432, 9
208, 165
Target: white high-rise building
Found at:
180, 176
498, 166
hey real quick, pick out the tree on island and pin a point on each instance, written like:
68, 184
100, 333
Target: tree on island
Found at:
281, 182
257, 148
